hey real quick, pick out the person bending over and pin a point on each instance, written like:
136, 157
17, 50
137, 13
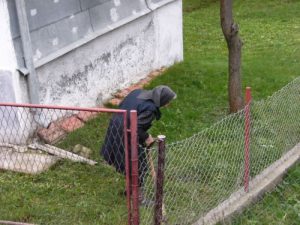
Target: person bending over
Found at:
147, 103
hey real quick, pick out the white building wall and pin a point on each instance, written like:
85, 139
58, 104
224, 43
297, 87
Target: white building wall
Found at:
169, 36
12, 86
8, 62
88, 75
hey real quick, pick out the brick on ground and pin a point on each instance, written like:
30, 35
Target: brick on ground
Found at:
157, 72
70, 124
135, 86
123, 93
144, 81
52, 134
115, 101
86, 116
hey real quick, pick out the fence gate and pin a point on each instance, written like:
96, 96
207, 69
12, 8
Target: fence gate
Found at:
51, 171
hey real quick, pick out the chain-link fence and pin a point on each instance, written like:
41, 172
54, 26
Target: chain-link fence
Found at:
60, 146
204, 170
51, 171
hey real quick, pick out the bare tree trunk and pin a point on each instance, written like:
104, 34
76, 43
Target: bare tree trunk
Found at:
234, 44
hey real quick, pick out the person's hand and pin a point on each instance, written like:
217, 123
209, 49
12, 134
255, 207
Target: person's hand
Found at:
149, 141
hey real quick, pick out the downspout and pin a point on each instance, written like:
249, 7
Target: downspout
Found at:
147, 2
33, 83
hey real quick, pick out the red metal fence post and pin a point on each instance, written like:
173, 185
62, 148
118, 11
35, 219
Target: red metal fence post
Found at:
158, 210
134, 167
247, 139
127, 167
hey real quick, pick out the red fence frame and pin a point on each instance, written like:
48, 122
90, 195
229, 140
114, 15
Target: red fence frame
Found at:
133, 132
134, 167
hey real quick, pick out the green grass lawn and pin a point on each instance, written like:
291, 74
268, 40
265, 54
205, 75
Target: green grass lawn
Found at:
271, 54
282, 206
72, 193
68, 193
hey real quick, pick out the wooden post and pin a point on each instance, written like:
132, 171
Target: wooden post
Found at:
158, 210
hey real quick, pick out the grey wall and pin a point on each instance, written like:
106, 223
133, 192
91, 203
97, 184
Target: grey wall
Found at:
91, 48
57, 24
7, 90
69, 38
88, 75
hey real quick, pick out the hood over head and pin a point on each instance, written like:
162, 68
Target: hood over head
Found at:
160, 95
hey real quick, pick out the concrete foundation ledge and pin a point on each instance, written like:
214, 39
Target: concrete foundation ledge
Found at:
262, 183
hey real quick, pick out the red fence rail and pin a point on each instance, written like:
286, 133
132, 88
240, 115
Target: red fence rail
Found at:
8, 111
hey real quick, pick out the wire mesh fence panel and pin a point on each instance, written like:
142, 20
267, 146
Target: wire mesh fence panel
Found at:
200, 172
275, 130
204, 170
275, 126
51, 171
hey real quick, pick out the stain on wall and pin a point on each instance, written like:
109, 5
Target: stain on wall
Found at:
103, 66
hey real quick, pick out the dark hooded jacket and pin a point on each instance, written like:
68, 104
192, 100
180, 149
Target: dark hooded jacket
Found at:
147, 104
113, 148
